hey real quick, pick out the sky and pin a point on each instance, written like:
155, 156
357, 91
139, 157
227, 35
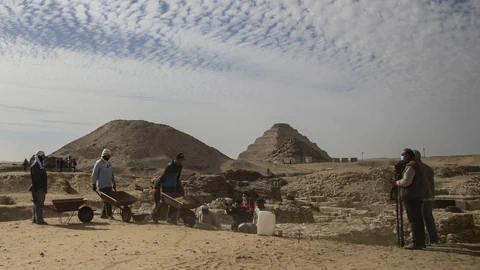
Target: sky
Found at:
352, 75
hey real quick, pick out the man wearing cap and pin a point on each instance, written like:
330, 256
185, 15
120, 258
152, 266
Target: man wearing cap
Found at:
104, 179
38, 187
170, 184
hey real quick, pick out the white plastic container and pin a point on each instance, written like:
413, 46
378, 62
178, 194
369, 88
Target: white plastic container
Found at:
266, 223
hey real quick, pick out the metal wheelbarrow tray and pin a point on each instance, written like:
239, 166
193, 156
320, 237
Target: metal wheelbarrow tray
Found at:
85, 213
122, 201
184, 208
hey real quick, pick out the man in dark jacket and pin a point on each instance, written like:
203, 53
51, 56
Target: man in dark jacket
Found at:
238, 213
429, 198
25, 165
413, 184
170, 184
38, 187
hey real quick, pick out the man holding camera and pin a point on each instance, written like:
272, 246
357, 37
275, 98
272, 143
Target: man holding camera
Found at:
414, 185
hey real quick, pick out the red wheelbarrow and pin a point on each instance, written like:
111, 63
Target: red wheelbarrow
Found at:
122, 201
85, 213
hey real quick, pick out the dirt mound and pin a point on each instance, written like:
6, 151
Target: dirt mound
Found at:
282, 142
366, 187
469, 187
140, 146
242, 175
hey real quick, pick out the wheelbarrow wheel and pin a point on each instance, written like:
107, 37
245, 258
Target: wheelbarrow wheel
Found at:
85, 214
189, 218
126, 214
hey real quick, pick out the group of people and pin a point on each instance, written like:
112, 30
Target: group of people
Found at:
70, 164
417, 190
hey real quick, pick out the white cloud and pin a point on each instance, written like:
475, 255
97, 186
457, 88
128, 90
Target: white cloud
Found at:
345, 66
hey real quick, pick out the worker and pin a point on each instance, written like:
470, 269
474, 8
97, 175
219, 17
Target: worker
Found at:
39, 187
207, 219
25, 165
238, 213
103, 178
251, 227
249, 204
170, 184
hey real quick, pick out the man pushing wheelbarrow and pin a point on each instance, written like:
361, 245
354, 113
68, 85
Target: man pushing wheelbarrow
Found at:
169, 183
103, 177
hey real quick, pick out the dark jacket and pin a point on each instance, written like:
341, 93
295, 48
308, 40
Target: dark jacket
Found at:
170, 178
239, 214
430, 174
418, 188
39, 178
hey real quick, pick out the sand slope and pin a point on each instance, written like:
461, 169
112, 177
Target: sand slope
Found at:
116, 245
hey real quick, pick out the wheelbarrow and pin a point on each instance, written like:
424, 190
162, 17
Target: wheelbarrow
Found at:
122, 201
184, 208
85, 213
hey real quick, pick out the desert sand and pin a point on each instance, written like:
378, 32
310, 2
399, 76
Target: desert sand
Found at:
331, 215
116, 245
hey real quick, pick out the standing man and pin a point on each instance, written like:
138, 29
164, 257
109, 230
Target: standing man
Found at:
104, 179
25, 165
38, 187
74, 165
428, 201
170, 184
413, 184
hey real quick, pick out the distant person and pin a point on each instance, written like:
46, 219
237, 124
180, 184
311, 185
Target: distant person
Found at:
427, 202
170, 184
74, 165
39, 187
413, 184
239, 214
104, 179
61, 164
25, 165
57, 164
207, 219
249, 204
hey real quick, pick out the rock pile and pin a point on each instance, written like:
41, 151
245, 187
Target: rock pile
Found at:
365, 187
6, 200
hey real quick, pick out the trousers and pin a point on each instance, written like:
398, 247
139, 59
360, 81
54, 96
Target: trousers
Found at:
107, 208
430, 221
38, 198
415, 217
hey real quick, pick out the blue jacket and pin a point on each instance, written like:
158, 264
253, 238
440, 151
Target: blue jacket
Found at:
170, 177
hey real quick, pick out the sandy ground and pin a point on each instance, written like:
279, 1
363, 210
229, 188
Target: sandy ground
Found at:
117, 245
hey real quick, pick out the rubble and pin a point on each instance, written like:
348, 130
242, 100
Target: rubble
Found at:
6, 200
361, 187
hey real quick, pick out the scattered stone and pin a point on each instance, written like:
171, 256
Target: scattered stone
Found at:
453, 209
6, 200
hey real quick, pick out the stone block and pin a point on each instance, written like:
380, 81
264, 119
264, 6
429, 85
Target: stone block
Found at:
473, 205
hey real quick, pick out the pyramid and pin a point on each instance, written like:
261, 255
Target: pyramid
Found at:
282, 142
142, 146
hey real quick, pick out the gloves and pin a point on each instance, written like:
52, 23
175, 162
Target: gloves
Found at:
94, 187
154, 191
114, 187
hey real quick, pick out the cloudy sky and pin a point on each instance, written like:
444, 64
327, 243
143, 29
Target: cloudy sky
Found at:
352, 75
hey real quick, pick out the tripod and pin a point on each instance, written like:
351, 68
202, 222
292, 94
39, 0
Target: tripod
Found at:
399, 219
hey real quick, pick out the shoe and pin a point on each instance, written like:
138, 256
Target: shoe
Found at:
173, 222
103, 217
111, 218
42, 223
414, 247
